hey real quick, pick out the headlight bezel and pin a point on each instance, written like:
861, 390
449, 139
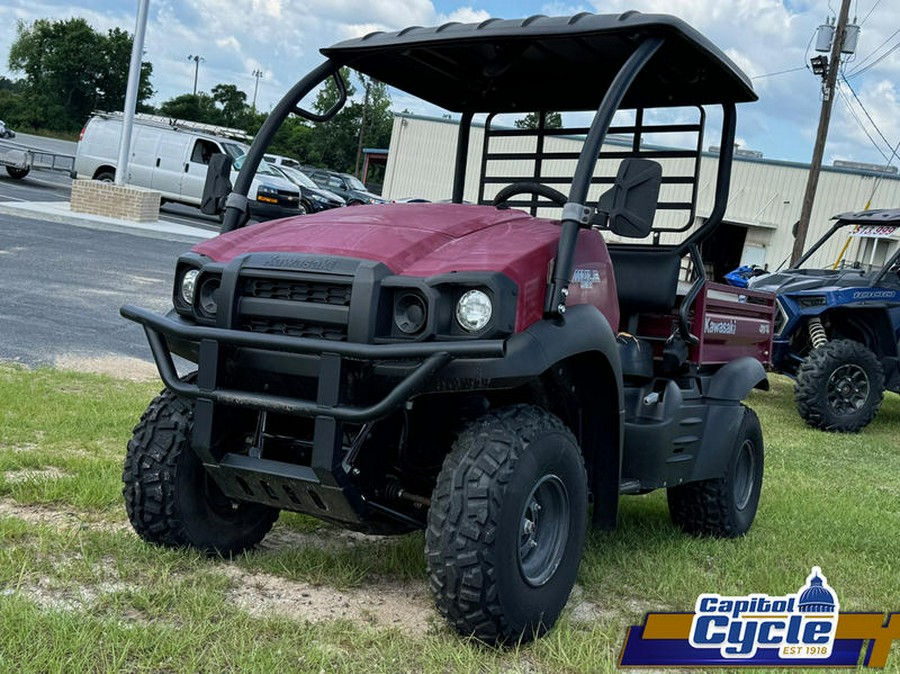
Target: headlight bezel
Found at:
441, 295
207, 273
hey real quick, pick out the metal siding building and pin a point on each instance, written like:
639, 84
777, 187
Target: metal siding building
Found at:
765, 197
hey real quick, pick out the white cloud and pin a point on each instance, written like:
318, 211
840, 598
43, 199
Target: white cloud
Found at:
465, 15
282, 38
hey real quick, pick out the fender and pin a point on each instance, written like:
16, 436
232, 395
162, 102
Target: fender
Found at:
545, 343
734, 381
585, 335
727, 387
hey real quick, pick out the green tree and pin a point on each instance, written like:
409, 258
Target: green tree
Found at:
532, 119
69, 69
335, 144
195, 108
112, 80
329, 94
234, 109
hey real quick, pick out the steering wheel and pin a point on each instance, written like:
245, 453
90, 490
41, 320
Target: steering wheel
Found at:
504, 195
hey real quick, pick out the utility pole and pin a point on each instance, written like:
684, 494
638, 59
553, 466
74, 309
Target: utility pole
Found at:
196, 58
829, 81
257, 74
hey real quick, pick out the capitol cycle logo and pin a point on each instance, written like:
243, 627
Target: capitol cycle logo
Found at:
803, 629
800, 625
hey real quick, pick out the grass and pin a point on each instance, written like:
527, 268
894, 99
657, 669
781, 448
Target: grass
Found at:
80, 593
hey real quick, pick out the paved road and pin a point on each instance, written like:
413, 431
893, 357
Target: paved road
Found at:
42, 185
46, 144
63, 286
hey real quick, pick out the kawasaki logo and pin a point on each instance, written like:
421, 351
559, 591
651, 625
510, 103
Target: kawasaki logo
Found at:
727, 327
288, 262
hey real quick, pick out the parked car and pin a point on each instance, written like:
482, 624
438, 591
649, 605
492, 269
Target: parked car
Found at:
172, 157
281, 161
312, 197
838, 328
474, 370
349, 187
4, 132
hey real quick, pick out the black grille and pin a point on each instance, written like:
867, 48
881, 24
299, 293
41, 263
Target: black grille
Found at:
299, 291
286, 198
302, 304
295, 329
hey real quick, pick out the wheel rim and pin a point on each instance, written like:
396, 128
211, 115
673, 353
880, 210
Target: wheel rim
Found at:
223, 506
848, 389
744, 475
543, 530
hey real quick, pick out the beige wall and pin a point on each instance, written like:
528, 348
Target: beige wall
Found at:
765, 195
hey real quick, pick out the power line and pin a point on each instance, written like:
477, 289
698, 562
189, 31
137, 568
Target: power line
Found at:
881, 177
860, 71
862, 64
868, 116
862, 126
877, 2
780, 72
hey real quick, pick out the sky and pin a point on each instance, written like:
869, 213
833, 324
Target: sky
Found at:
769, 39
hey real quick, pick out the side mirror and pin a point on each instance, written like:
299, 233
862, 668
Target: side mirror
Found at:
629, 205
218, 184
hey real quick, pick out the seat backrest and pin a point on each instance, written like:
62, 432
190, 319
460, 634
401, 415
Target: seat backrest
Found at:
646, 278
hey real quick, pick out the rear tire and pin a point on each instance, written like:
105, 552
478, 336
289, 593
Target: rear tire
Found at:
170, 498
724, 507
840, 387
506, 525
106, 176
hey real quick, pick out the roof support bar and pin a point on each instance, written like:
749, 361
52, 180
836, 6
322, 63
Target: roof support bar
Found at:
558, 288
462, 157
288, 104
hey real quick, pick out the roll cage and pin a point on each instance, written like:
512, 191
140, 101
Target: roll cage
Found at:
601, 63
889, 217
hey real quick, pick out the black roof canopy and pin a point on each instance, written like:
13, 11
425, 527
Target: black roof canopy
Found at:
878, 216
547, 63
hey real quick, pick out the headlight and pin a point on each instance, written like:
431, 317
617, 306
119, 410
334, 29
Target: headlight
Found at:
410, 313
189, 285
474, 310
267, 194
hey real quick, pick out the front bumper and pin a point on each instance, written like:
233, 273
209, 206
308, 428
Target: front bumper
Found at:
324, 485
260, 210
163, 330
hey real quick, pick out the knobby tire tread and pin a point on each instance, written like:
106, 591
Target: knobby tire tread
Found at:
484, 453
813, 376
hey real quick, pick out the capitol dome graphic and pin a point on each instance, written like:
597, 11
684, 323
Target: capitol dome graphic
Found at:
817, 596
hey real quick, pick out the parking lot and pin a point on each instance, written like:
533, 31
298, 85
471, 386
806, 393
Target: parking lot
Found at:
43, 185
57, 274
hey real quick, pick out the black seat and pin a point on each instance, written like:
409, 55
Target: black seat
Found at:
646, 280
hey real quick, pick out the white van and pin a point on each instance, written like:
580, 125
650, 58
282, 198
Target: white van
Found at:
172, 156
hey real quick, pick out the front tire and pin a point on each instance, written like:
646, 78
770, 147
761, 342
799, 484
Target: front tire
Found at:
506, 525
170, 498
840, 387
724, 507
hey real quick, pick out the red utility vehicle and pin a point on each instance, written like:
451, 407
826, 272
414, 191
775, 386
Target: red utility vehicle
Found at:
476, 371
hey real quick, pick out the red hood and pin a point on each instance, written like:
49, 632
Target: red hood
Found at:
429, 239
413, 239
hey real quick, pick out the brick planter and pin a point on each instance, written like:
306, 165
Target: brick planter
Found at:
115, 201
